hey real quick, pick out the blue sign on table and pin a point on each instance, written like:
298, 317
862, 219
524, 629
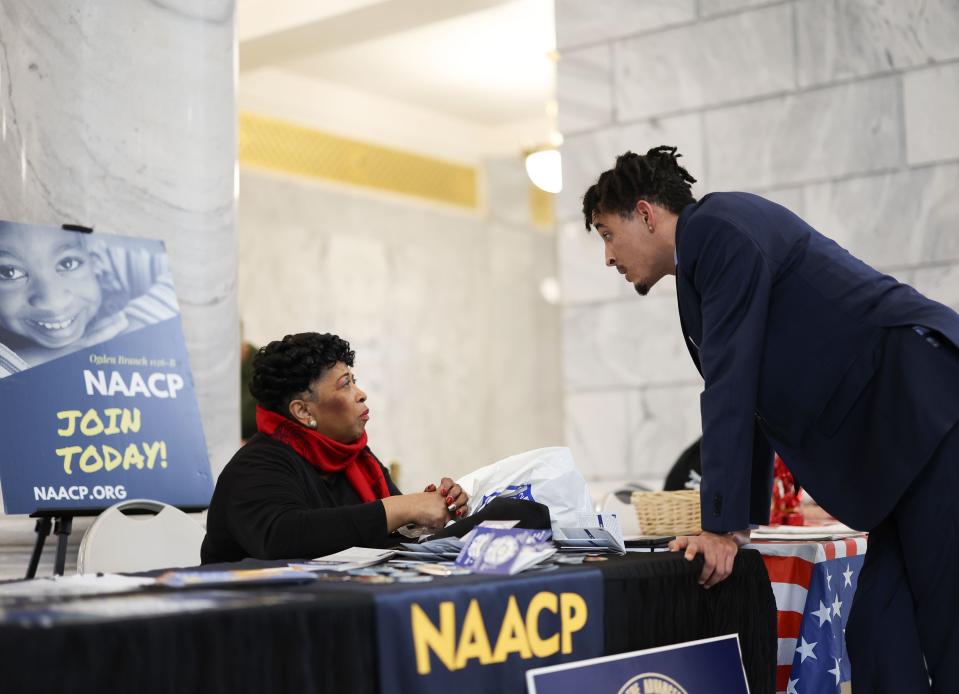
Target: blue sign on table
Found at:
96, 395
483, 636
709, 666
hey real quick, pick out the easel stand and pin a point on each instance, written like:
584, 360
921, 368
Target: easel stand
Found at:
62, 526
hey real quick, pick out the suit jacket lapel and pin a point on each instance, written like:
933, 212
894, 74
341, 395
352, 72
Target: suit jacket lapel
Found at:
682, 291
684, 324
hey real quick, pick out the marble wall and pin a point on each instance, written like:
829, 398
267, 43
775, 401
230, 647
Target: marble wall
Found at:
456, 347
839, 110
120, 115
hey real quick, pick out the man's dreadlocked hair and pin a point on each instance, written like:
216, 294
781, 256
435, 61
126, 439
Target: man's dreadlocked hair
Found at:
655, 177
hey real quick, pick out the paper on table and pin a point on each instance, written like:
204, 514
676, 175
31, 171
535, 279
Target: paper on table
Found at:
831, 531
71, 586
438, 546
349, 559
593, 532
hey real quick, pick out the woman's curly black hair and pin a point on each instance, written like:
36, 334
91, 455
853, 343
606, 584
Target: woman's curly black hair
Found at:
285, 368
655, 177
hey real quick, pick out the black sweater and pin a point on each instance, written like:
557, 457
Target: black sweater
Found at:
270, 503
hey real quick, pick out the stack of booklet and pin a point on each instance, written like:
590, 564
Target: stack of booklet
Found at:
432, 550
827, 531
592, 533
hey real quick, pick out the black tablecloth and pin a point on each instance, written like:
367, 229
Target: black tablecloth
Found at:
320, 637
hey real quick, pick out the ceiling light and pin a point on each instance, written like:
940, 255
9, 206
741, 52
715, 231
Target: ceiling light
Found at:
545, 170
550, 290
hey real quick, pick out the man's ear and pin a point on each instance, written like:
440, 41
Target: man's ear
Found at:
645, 211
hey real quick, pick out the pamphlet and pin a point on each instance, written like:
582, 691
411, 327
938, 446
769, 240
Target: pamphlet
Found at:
505, 550
349, 559
599, 532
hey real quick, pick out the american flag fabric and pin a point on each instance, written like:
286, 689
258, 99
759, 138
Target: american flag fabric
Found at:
814, 584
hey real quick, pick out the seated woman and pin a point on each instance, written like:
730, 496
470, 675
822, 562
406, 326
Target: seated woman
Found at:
307, 484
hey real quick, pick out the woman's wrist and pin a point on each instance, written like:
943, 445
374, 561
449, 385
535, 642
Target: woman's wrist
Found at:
398, 511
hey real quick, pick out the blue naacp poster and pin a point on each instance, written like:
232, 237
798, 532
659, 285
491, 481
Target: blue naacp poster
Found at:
96, 396
482, 636
709, 666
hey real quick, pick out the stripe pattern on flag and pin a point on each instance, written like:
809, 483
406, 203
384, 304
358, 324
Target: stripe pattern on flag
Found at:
814, 584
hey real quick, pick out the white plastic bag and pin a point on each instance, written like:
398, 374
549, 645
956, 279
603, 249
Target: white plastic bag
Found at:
546, 475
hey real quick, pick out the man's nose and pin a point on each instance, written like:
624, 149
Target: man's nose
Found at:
610, 259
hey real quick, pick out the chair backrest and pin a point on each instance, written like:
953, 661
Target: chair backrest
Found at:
119, 543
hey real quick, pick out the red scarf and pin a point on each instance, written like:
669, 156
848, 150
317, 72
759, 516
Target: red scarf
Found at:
362, 470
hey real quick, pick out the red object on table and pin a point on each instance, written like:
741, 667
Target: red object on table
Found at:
786, 497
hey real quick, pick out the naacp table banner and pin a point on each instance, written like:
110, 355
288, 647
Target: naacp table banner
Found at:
482, 636
96, 395
709, 666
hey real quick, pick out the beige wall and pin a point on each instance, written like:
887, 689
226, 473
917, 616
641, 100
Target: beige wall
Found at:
839, 110
456, 347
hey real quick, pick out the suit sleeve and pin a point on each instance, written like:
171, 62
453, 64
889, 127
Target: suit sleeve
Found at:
761, 480
733, 280
270, 518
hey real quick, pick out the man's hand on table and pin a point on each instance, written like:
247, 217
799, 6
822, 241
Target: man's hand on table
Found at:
719, 553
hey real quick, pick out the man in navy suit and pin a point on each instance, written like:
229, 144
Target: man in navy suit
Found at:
851, 376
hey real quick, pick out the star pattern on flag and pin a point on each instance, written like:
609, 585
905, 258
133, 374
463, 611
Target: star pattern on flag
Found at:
815, 657
805, 650
823, 613
835, 671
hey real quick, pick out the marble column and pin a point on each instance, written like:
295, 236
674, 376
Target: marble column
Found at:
120, 115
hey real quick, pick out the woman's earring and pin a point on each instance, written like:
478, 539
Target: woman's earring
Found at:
311, 424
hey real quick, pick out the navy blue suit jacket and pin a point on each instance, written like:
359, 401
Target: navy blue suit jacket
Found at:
787, 329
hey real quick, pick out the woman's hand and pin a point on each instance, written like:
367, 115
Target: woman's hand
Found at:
456, 499
426, 508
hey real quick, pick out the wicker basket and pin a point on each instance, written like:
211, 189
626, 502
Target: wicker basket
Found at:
668, 513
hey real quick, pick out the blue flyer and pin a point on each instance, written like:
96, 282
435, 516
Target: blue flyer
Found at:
96, 395
504, 550
707, 666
